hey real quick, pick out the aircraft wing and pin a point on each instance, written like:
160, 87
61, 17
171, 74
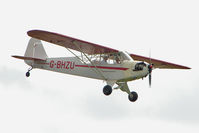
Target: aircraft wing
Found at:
158, 63
69, 42
91, 48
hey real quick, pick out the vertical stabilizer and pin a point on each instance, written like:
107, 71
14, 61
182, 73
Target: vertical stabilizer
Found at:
36, 50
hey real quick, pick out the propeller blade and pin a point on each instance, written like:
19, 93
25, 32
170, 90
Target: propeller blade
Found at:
150, 68
150, 57
150, 80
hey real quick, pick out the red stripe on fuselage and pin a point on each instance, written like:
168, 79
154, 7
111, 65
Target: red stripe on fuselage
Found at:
103, 67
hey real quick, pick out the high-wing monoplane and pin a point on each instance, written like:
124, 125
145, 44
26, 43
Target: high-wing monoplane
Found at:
94, 61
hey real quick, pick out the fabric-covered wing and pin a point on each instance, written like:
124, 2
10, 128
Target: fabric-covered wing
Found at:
91, 48
158, 63
69, 42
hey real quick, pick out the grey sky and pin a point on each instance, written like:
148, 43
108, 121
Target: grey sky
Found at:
56, 103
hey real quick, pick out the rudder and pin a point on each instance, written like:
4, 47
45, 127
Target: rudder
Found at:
35, 49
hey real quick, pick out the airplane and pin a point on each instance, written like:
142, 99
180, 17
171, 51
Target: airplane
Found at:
95, 61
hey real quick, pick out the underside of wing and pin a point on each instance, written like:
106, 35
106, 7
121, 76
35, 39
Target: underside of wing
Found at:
69, 42
158, 63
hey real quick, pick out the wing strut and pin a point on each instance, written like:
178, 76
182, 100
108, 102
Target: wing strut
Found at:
96, 69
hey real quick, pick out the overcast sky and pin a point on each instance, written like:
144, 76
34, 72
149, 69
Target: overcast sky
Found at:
49, 102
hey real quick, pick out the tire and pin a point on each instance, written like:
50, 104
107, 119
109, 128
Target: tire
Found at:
27, 74
107, 90
133, 96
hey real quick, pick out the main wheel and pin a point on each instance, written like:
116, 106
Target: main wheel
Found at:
27, 74
107, 90
133, 96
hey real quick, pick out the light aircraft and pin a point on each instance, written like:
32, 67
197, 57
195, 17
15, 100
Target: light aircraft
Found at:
95, 61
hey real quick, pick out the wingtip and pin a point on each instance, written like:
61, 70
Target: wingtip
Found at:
188, 68
184, 67
30, 32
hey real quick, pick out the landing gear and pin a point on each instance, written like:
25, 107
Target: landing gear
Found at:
133, 96
107, 90
28, 72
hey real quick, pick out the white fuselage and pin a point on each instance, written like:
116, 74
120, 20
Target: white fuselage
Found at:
100, 70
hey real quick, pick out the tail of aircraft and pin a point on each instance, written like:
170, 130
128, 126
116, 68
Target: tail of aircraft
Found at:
35, 49
34, 52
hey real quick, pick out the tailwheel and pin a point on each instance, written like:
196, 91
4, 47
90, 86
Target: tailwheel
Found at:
28, 72
107, 90
133, 96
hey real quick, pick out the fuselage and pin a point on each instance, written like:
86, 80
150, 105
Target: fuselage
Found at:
124, 71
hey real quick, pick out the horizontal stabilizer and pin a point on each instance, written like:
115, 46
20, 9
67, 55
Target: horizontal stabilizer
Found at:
27, 58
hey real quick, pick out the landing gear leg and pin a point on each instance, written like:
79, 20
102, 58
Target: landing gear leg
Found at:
28, 72
132, 96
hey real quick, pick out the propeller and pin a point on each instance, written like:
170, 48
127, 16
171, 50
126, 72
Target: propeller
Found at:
150, 68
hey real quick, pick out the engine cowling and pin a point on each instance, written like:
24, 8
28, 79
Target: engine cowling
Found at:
139, 66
